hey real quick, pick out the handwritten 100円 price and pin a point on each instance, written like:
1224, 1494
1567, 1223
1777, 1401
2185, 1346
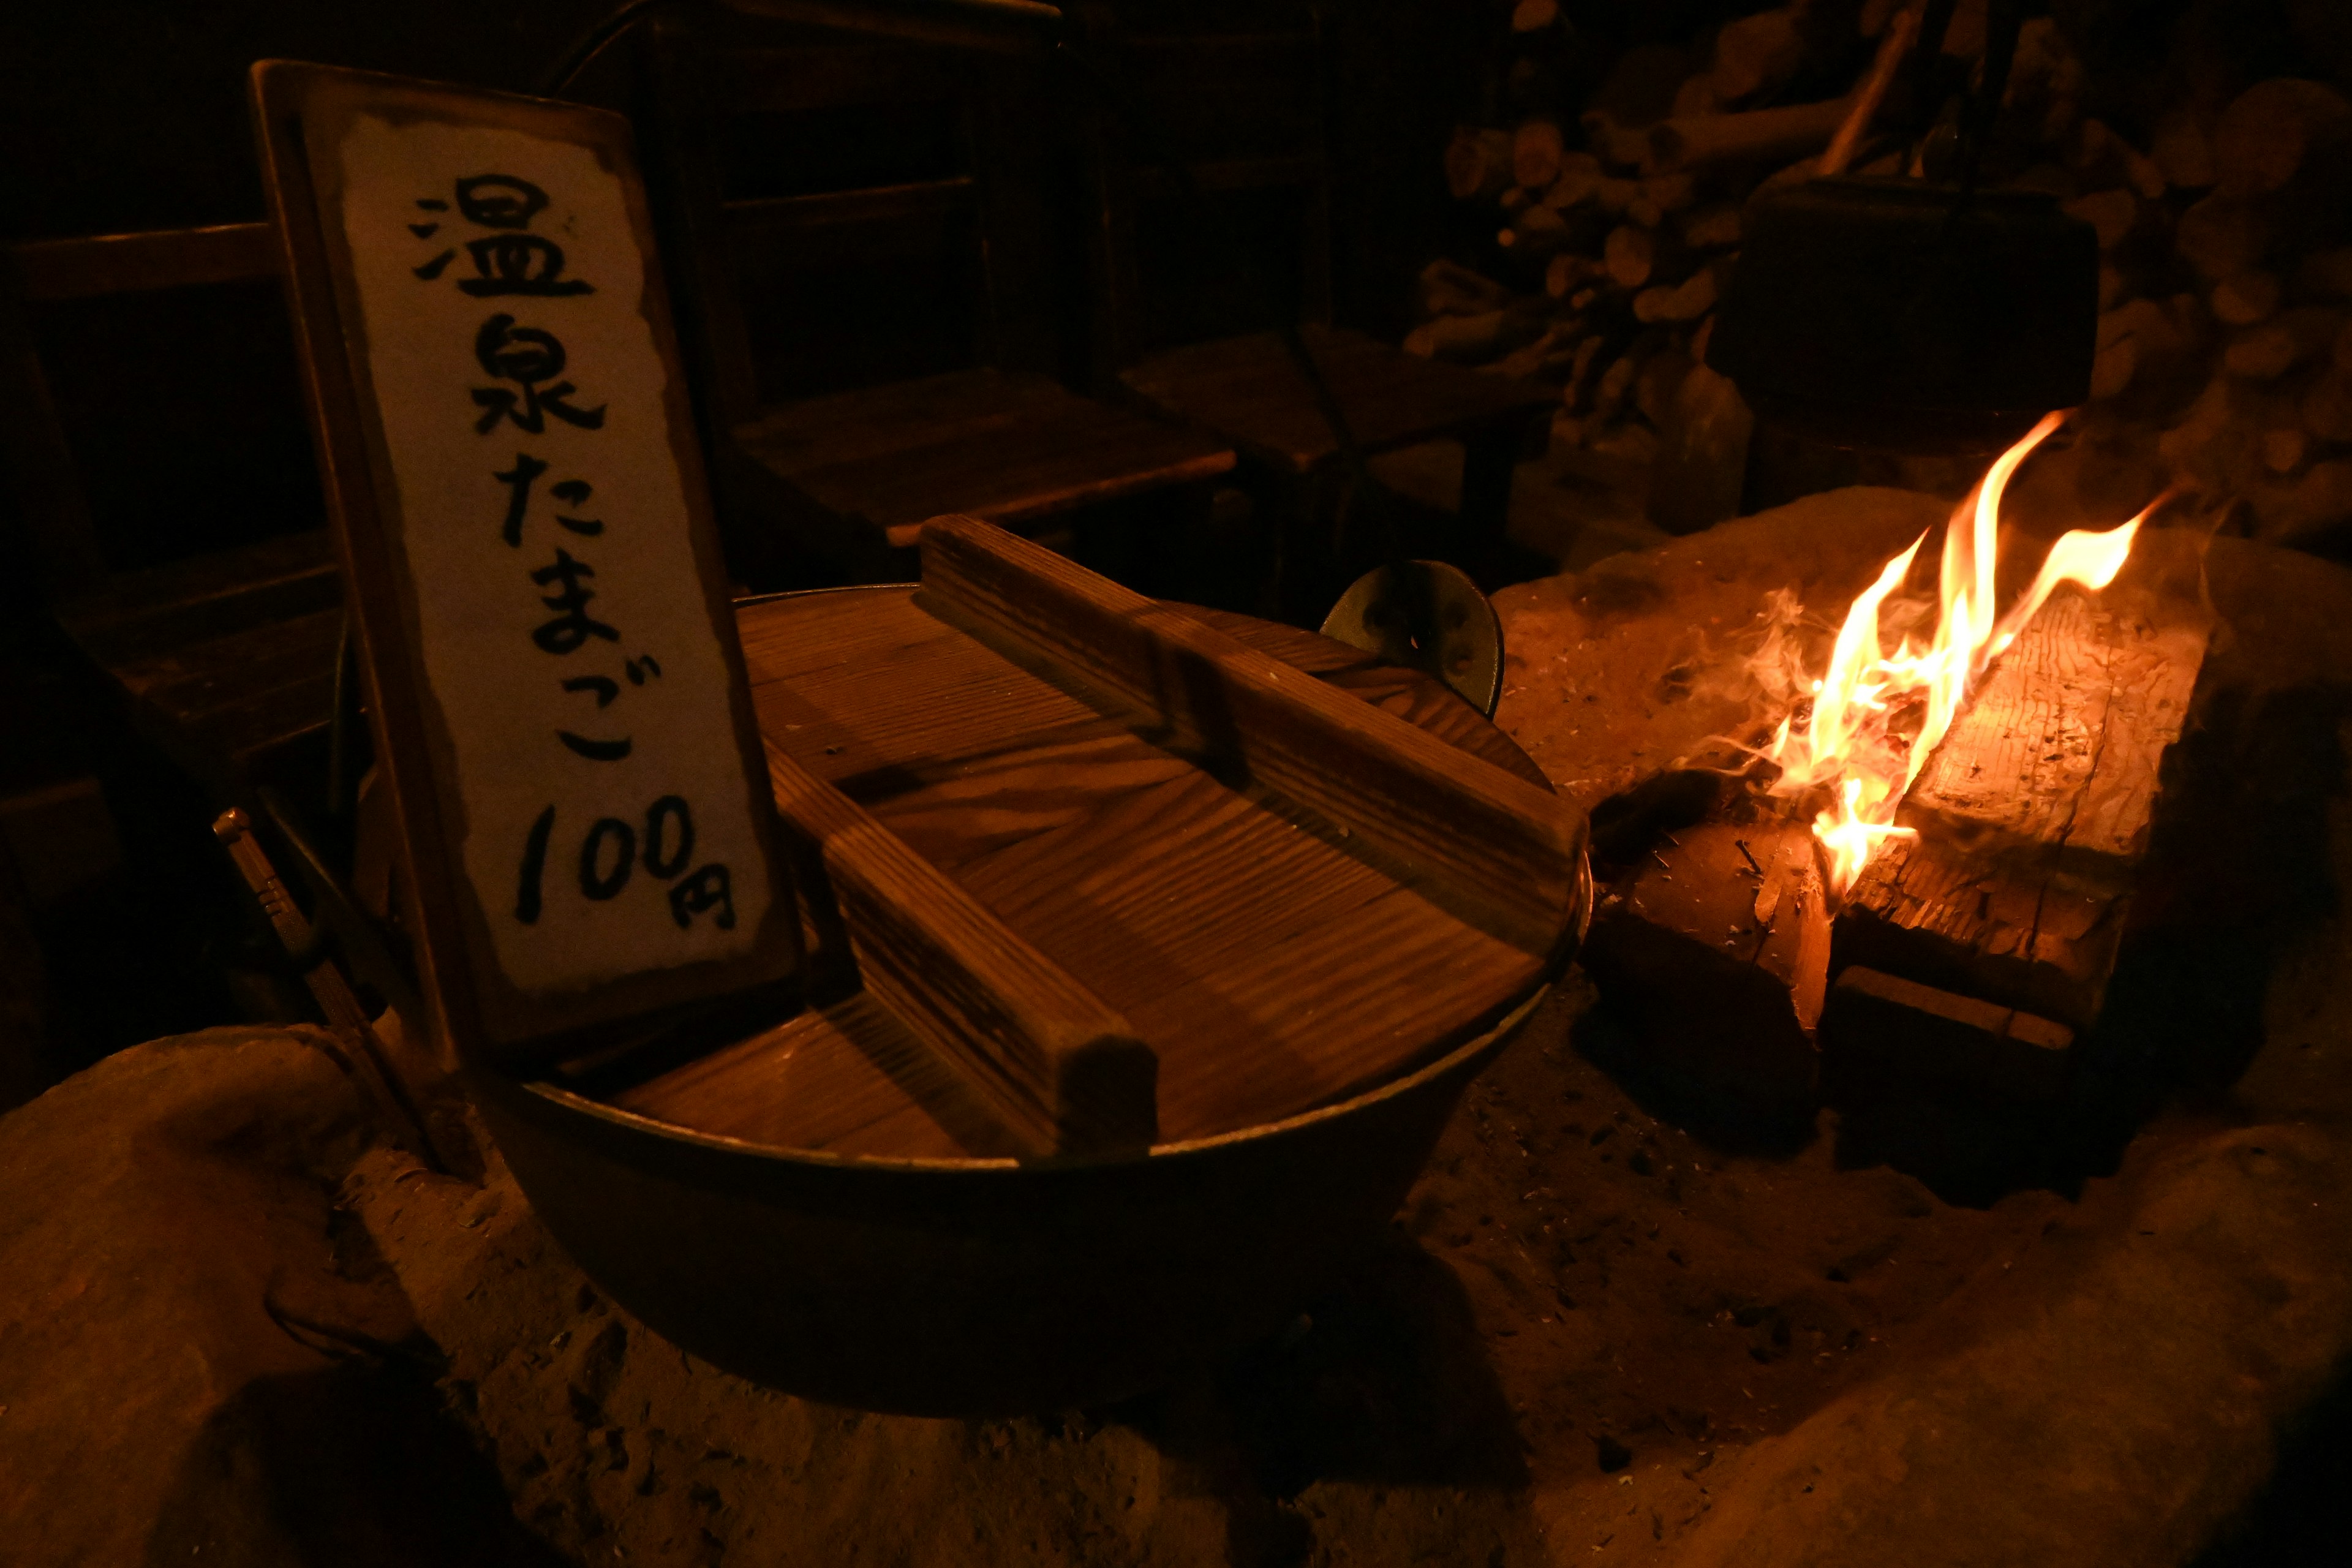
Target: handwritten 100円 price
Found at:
610, 852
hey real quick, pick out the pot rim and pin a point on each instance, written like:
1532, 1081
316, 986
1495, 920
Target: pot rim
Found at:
629, 1120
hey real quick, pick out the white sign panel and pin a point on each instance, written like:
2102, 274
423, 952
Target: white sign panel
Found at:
565, 638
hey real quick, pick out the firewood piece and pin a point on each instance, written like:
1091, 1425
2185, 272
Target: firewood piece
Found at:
1618, 146
1567, 272
2060, 746
2183, 151
2111, 285
1478, 163
2327, 407
1694, 97
1610, 392
2245, 300
2270, 129
1461, 340
2270, 351
2102, 156
2315, 510
1880, 1032
2222, 235
1717, 951
2003, 928
1758, 136
2284, 450
1534, 16
1535, 149
1502, 854
1061, 1070
1630, 252
1684, 301
2032, 818
1755, 53
2326, 274
1578, 181
2112, 370
1536, 231
2112, 213
1661, 377
1713, 227
1450, 289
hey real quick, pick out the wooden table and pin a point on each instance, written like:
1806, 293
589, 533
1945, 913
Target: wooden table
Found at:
1249, 392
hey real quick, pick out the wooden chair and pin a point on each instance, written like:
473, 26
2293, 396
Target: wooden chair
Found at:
1236, 93
869, 286
151, 429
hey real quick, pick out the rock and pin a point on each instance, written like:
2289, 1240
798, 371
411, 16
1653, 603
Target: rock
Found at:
1703, 461
1846, 1487
2112, 370
201, 1358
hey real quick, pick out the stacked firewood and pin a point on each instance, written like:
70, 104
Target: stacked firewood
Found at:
2225, 226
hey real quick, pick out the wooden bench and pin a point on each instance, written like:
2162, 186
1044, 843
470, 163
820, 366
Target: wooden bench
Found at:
876, 307
1176, 330
162, 476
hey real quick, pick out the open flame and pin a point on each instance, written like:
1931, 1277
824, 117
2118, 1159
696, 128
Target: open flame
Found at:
1858, 743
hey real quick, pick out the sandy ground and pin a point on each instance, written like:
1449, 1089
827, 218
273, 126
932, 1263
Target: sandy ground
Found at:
241, 1328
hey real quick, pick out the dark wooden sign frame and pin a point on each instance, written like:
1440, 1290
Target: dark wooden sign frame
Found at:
302, 113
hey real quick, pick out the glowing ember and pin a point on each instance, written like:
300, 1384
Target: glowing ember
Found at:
1858, 745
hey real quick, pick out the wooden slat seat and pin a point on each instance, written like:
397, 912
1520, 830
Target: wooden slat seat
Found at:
1007, 447
893, 224
226, 656
1243, 109
1250, 390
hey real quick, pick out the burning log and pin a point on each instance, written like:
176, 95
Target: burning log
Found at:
2030, 819
1897, 1034
1716, 947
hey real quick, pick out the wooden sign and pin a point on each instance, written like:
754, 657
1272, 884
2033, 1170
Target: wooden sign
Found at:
558, 697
